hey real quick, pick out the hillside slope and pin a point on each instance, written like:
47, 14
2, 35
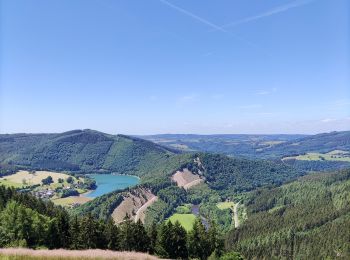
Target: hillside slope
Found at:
222, 175
306, 219
321, 143
229, 144
273, 147
81, 150
262, 146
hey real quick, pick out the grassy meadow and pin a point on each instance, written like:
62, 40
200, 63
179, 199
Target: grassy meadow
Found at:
225, 205
69, 201
186, 220
26, 178
336, 155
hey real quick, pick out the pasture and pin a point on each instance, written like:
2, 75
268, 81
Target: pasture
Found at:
225, 205
186, 220
69, 201
26, 178
336, 155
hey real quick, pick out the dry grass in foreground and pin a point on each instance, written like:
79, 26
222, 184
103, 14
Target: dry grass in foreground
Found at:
60, 254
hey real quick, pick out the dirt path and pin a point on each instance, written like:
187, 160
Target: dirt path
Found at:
140, 213
235, 215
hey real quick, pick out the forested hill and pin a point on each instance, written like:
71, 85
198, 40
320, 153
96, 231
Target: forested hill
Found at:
81, 150
256, 146
305, 219
224, 178
321, 152
321, 143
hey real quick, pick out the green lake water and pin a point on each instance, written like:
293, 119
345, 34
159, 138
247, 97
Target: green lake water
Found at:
107, 183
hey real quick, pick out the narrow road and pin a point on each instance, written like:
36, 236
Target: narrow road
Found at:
235, 215
141, 210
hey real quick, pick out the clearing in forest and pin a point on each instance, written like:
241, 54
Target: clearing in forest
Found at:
132, 205
186, 179
186, 220
225, 205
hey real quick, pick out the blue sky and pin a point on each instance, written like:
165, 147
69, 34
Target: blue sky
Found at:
175, 66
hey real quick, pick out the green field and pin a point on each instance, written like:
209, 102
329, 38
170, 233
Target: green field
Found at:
336, 155
225, 205
9, 183
69, 201
186, 220
26, 178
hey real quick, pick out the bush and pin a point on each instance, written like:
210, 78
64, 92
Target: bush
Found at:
47, 181
69, 192
231, 256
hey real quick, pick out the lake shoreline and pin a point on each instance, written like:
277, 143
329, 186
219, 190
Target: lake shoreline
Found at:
107, 183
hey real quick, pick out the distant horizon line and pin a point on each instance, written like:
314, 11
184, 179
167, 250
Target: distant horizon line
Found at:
155, 134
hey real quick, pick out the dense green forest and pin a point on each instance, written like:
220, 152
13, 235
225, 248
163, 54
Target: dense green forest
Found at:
306, 219
232, 175
88, 150
244, 145
82, 151
262, 146
317, 165
321, 143
30, 222
272, 147
225, 178
291, 213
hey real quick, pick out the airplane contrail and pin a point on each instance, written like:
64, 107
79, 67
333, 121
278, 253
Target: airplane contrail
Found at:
192, 15
273, 11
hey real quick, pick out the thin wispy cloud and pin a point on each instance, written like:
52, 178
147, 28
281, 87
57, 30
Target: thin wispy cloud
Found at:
251, 106
276, 10
217, 96
187, 98
327, 120
153, 98
266, 92
194, 16
340, 103
267, 114
263, 92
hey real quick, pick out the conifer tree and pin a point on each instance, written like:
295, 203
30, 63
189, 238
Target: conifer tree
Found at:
179, 240
164, 244
63, 229
111, 233
140, 237
152, 234
74, 233
88, 232
198, 243
126, 236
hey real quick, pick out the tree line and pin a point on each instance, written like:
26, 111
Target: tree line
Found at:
305, 219
27, 221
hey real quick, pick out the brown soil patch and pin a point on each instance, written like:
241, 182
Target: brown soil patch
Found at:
186, 179
132, 205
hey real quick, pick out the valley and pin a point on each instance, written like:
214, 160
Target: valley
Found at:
156, 185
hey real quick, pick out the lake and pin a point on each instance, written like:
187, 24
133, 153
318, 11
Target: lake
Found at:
107, 183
